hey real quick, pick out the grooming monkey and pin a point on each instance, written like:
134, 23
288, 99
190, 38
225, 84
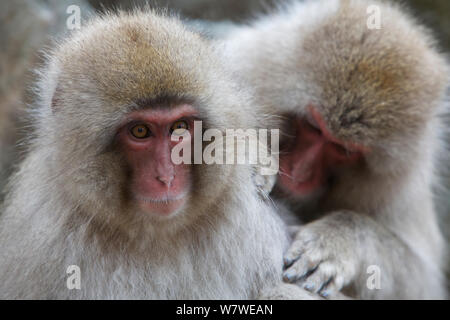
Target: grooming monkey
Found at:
358, 108
98, 188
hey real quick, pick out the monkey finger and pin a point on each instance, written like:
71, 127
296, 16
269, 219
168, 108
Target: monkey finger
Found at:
320, 278
332, 289
300, 268
293, 253
328, 291
264, 183
304, 241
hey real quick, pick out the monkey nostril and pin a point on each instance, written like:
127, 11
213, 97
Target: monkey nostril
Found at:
167, 180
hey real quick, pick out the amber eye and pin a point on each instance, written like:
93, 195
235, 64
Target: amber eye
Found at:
179, 127
140, 131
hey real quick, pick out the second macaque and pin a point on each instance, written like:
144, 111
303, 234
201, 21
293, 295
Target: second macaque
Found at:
357, 104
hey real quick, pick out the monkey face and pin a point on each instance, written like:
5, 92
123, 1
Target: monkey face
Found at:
157, 186
121, 171
312, 155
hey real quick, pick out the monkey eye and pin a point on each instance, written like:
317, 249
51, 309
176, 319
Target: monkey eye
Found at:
179, 127
140, 131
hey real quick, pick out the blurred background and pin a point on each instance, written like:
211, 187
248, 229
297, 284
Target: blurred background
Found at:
28, 26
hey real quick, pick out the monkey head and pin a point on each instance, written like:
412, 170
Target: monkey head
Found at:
363, 95
115, 94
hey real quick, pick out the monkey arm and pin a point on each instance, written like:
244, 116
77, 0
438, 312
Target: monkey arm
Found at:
352, 252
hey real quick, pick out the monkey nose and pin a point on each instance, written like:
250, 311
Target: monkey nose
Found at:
167, 180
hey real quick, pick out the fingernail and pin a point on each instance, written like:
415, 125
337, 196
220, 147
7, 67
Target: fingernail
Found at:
288, 276
287, 261
308, 287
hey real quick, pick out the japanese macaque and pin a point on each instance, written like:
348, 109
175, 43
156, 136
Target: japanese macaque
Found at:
356, 86
98, 209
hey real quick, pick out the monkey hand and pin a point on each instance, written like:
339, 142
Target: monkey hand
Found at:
322, 258
264, 183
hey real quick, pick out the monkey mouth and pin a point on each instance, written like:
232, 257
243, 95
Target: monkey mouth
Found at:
161, 206
165, 199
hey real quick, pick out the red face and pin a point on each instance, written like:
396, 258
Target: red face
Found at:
157, 185
311, 156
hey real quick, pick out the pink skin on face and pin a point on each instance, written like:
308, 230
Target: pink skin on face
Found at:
312, 155
159, 186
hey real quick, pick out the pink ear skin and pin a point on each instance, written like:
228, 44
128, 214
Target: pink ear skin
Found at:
313, 154
158, 185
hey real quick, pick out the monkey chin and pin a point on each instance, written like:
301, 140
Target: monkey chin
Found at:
165, 207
